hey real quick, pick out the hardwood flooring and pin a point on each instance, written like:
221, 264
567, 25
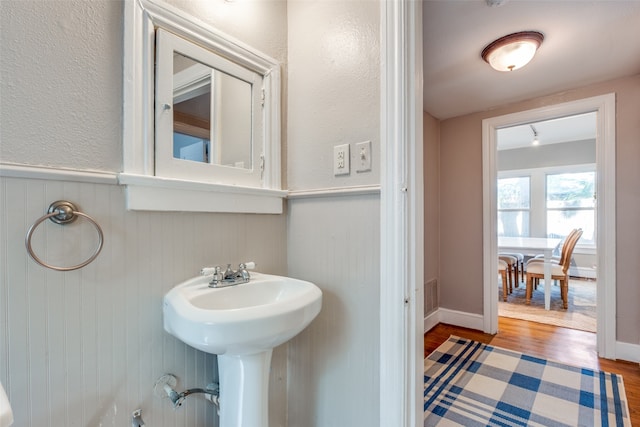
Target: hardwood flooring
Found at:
569, 346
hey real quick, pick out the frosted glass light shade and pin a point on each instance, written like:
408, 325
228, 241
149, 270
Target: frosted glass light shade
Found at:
513, 51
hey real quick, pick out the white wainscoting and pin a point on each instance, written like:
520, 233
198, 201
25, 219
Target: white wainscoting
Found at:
85, 347
334, 242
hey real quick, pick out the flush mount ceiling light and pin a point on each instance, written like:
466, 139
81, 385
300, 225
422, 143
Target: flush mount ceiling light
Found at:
513, 51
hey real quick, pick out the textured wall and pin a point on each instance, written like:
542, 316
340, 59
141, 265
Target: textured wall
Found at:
334, 241
461, 202
334, 79
61, 85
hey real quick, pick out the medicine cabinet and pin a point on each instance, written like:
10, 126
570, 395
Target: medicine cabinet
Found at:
201, 117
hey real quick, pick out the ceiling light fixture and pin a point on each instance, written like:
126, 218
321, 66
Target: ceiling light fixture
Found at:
512, 51
535, 140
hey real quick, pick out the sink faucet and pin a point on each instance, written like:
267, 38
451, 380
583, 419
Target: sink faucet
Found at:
228, 277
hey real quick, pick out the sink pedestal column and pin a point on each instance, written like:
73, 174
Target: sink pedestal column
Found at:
244, 389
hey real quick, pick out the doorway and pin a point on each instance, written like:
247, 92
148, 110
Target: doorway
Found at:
604, 108
546, 188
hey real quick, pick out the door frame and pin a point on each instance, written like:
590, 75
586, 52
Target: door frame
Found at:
401, 211
604, 106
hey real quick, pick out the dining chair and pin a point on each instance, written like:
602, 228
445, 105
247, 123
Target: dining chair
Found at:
512, 263
557, 258
518, 266
559, 271
557, 252
502, 269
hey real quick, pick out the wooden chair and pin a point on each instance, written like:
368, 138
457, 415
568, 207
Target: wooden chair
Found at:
556, 259
518, 266
559, 271
502, 269
512, 270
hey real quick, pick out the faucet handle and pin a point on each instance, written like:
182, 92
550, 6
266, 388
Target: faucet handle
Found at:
209, 270
228, 272
249, 265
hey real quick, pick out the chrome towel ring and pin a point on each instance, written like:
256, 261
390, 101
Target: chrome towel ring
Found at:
63, 212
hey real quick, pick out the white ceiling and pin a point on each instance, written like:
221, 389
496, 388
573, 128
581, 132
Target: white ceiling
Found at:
585, 42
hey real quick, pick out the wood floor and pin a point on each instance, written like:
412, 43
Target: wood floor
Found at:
569, 346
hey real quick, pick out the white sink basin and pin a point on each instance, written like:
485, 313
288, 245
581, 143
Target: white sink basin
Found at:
6, 415
241, 319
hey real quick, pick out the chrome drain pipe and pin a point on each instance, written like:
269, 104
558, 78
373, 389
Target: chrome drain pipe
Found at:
164, 387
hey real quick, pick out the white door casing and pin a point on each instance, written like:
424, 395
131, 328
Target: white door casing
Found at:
604, 106
401, 251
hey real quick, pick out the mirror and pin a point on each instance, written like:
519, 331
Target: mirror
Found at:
209, 122
211, 115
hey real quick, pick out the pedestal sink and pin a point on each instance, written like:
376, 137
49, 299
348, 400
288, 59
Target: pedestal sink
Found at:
241, 324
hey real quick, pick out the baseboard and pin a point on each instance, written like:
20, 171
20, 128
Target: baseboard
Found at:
431, 320
455, 318
586, 272
627, 351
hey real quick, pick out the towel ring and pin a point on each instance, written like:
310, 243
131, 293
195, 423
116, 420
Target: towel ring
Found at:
63, 212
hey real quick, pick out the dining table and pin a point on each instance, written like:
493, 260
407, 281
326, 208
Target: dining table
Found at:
532, 246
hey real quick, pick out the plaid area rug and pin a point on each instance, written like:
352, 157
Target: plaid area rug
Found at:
468, 383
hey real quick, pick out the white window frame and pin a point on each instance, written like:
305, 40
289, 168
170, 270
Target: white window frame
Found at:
538, 196
522, 175
572, 169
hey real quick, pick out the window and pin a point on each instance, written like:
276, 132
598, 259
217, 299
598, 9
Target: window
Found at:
514, 204
547, 202
570, 203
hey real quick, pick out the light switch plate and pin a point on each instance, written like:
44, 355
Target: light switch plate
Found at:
363, 156
341, 160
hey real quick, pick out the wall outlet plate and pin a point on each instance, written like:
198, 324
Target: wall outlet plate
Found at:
341, 160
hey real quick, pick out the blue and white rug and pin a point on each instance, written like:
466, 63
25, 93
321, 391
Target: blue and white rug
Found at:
468, 383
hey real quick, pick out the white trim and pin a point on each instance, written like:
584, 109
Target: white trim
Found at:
165, 194
334, 192
14, 170
455, 318
401, 253
462, 319
604, 105
432, 320
489, 228
627, 351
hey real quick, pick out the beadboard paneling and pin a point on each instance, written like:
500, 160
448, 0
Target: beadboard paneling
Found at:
84, 348
333, 376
